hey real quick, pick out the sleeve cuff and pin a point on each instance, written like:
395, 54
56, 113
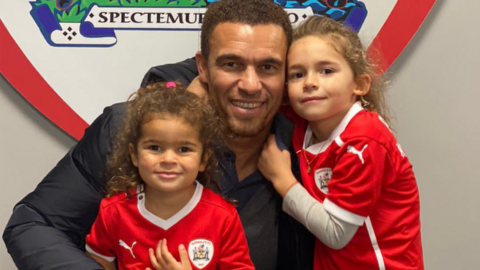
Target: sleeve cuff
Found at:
90, 250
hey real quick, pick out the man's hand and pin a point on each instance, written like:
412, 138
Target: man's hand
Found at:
162, 259
275, 165
198, 88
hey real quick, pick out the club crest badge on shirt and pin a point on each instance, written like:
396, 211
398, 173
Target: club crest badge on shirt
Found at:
322, 177
200, 252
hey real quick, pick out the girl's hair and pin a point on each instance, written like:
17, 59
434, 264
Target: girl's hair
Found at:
158, 101
347, 42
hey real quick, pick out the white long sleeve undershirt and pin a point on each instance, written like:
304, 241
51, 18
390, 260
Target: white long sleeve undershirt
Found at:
332, 231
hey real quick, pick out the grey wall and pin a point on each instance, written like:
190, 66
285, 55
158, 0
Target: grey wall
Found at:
434, 95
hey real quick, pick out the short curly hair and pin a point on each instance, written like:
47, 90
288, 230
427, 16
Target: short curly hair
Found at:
156, 101
251, 12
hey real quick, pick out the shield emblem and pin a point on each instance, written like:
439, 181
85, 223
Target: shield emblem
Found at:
322, 177
200, 252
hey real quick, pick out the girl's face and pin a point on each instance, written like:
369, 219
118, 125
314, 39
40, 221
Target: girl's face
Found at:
321, 84
168, 155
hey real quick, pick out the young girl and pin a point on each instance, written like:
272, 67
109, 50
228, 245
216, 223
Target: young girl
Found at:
154, 201
360, 197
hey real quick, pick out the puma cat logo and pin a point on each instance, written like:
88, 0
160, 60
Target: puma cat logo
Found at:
124, 245
353, 150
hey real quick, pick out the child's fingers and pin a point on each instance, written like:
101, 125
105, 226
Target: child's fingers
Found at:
271, 148
286, 154
184, 258
272, 145
153, 259
162, 250
271, 140
166, 255
267, 146
158, 251
160, 256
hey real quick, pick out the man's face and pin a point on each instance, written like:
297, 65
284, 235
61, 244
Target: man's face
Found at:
245, 73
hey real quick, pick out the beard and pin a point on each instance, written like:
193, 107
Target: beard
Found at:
241, 128
246, 128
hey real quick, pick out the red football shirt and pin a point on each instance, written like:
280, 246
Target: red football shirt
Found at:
363, 177
207, 226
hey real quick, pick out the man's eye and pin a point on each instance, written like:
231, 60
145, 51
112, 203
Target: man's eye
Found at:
269, 69
231, 65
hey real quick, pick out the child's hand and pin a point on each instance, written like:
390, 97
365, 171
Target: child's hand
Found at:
276, 166
163, 259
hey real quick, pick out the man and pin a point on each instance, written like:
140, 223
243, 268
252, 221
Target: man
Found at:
242, 62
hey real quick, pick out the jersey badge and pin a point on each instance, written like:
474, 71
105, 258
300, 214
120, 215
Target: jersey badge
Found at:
322, 177
353, 150
200, 252
124, 245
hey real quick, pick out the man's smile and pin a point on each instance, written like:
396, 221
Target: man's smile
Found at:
246, 105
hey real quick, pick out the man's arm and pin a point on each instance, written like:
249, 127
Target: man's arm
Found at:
47, 228
184, 72
105, 264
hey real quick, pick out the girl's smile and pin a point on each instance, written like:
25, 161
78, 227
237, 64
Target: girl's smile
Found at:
312, 99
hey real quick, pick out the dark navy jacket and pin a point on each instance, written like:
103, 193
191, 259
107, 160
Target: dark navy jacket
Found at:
48, 227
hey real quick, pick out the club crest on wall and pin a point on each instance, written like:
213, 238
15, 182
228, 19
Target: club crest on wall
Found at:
92, 23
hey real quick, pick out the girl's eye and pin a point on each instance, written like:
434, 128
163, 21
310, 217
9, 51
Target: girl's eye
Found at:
327, 71
184, 150
154, 147
296, 75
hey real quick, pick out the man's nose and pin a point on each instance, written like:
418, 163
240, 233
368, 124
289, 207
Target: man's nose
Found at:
250, 82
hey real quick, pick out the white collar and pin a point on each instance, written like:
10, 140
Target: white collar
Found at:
166, 224
322, 146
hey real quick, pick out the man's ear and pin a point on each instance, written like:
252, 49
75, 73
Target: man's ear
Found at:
363, 82
203, 162
202, 67
133, 154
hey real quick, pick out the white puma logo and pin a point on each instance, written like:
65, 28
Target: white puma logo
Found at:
123, 244
353, 150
